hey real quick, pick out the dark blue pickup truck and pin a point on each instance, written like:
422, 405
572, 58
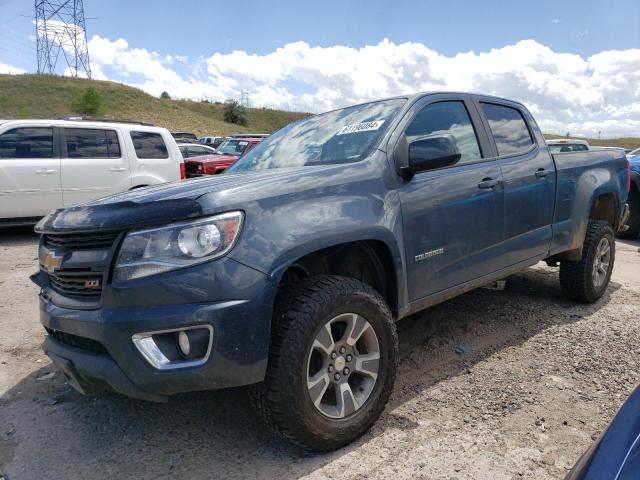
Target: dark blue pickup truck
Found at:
289, 272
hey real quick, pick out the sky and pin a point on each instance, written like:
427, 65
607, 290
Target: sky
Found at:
575, 64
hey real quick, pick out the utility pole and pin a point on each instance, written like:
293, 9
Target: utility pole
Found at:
60, 28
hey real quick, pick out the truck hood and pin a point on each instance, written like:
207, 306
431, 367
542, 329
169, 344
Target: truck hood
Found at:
176, 201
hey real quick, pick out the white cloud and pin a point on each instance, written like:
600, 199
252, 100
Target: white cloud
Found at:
565, 91
4, 68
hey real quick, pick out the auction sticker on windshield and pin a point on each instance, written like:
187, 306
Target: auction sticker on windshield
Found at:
361, 127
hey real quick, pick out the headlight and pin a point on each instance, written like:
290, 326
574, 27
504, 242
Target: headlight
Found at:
155, 250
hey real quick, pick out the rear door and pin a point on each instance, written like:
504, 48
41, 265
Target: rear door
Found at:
93, 164
29, 172
529, 179
452, 216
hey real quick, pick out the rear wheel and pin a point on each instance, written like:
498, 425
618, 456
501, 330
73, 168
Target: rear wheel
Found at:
332, 363
586, 280
634, 216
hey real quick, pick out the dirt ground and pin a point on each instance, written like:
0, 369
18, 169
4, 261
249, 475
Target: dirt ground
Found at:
542, 379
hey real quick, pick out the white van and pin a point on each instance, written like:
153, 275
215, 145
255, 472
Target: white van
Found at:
48, 164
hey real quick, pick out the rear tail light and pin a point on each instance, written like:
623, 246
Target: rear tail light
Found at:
183, 173
628, 175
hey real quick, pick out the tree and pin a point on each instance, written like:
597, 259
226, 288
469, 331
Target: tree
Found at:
89, 102
234, 112
165, 95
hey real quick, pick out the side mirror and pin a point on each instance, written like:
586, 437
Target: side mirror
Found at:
431, 152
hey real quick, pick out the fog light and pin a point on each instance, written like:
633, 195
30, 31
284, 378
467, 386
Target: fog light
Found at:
176, 348
183, 343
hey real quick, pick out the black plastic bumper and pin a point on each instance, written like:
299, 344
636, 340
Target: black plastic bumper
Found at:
89, 373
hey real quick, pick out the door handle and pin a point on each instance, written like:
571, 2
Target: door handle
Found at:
117, 169
488, 183
45, 171
541, 173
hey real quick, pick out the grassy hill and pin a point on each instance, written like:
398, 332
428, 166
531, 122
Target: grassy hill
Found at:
46, 96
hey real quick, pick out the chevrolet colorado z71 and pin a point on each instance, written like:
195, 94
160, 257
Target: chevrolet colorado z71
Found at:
290, 270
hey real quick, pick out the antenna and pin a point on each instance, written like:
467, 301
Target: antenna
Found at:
60, 27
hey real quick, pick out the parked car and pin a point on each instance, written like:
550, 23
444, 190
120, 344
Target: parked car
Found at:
633, 223
616, 453
49, 164
189, 150
184, 137
567, 145
225, 156
290, 270
213, 142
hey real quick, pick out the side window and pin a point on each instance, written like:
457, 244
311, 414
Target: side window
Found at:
149, 145
447, 118
91, 143
27, 142
508, 128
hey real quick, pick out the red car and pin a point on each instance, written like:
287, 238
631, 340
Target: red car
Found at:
226, 155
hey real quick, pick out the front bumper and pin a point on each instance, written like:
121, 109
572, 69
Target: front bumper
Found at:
241, 333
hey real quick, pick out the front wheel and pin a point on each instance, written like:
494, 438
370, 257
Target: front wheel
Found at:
586, 280
332, 363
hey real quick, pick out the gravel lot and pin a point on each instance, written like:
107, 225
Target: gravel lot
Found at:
541, 380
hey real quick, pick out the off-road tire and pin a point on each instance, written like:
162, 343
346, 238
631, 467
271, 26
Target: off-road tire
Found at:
634, 216
576, 277
283, 400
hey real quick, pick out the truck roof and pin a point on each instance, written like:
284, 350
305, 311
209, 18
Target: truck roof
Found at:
415, 96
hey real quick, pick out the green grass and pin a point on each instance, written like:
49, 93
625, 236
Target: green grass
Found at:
47, 96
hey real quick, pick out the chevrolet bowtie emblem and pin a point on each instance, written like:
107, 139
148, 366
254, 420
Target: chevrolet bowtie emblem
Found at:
51, 262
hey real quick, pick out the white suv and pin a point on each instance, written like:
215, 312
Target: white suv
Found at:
48, 164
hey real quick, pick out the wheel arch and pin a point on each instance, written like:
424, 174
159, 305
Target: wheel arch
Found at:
371, 260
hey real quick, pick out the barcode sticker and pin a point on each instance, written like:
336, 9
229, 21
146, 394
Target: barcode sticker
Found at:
361, 127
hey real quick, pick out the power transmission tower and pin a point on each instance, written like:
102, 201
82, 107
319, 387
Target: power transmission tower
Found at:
244, 98
60, 28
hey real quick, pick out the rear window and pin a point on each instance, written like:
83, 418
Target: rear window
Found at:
569, 147
149, 145
91, 143
508, 128
27, 142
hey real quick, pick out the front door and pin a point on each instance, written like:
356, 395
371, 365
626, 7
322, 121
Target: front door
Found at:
453, 216
93, 165
29, 172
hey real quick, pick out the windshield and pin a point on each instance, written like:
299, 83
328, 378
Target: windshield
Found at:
341, 136
232, 147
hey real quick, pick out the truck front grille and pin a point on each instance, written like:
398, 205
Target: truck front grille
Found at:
77, 283
80, 241
76, 341
191, 169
